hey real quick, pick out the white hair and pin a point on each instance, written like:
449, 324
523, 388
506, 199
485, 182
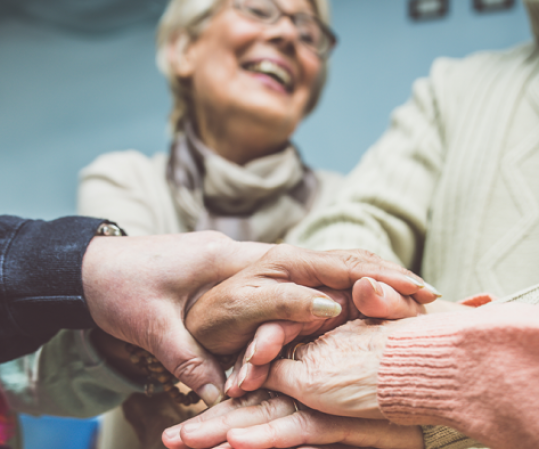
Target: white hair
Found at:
185, 20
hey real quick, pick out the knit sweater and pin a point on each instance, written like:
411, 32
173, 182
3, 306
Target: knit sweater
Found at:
451, 189
471, 370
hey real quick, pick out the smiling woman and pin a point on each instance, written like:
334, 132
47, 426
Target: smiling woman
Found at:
243, 75
235, 73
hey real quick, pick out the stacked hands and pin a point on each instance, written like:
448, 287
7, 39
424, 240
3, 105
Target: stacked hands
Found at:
253, 299
319, 294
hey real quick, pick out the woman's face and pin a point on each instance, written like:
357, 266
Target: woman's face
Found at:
249, 74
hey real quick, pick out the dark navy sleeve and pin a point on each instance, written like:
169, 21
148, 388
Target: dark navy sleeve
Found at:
41, 288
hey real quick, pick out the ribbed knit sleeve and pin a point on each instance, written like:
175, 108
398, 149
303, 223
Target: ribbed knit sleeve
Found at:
384, 203
473, 371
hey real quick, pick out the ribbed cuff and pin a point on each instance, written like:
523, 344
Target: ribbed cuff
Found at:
418, 376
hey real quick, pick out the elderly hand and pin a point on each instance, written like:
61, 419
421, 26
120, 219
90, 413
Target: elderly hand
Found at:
258, 421
303, 288
252, 367
337, 374
137, 289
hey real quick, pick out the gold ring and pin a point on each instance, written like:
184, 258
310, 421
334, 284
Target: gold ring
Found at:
291, 353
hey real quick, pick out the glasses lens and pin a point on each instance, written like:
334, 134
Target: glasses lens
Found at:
263, 10
310, 32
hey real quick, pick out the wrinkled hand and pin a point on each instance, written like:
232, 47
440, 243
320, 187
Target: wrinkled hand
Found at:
303, 292
252, 368
137, 289
258, 422
337, 374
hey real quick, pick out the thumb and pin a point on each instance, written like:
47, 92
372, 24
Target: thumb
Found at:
286, 376
180, 353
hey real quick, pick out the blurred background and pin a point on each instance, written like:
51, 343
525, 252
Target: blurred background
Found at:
78, 78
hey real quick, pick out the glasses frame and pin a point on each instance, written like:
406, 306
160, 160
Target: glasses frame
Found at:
332, 38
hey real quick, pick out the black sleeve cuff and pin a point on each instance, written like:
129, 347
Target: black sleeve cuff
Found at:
41, 288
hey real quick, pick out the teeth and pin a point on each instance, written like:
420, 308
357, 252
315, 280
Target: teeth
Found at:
272, 69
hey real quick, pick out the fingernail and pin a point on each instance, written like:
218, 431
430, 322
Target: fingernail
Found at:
228, 383
326, 308
172, 433
433, 290
210, 394
242, 374
415, 281
377, 288
250, 352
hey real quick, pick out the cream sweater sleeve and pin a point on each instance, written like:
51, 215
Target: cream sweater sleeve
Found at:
383, 205
125, 187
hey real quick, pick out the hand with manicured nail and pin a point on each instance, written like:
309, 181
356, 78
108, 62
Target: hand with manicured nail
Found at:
372, 298
305, 287
258, 421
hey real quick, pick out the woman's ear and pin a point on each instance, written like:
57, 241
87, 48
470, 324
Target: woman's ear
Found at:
181, 55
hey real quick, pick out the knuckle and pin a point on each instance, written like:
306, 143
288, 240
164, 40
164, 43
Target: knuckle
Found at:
188, 369
302, 421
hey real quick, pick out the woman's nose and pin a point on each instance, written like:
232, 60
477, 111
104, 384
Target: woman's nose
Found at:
284, 32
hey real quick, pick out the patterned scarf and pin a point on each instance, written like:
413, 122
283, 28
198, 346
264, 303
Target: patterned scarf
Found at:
7, 423
259, 201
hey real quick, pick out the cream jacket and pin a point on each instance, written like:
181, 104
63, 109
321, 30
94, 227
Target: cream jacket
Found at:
131, 189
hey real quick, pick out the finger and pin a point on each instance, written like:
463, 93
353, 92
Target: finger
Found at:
269, 340
285, 377
270, 301
310, 427
340, 269
378, 300
180, 353
231, 386
171, 436
251, 377
214, 431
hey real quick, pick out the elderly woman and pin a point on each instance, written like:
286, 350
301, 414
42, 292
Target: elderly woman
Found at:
243, 74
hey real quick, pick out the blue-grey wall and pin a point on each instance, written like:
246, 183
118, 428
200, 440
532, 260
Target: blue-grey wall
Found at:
66, 96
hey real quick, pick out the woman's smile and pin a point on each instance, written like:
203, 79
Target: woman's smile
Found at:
274, 73
251, 83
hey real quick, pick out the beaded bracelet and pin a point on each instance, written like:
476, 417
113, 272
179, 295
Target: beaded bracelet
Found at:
158, 374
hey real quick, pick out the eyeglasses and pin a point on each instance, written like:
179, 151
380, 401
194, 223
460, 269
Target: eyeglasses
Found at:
313, 33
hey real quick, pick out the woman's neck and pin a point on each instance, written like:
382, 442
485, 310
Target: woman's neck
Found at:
239, 142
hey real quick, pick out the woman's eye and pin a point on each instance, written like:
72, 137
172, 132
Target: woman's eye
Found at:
260, 9
308, 38
262, 13
309, 35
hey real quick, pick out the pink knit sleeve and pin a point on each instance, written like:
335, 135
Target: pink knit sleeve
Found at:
476, 371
